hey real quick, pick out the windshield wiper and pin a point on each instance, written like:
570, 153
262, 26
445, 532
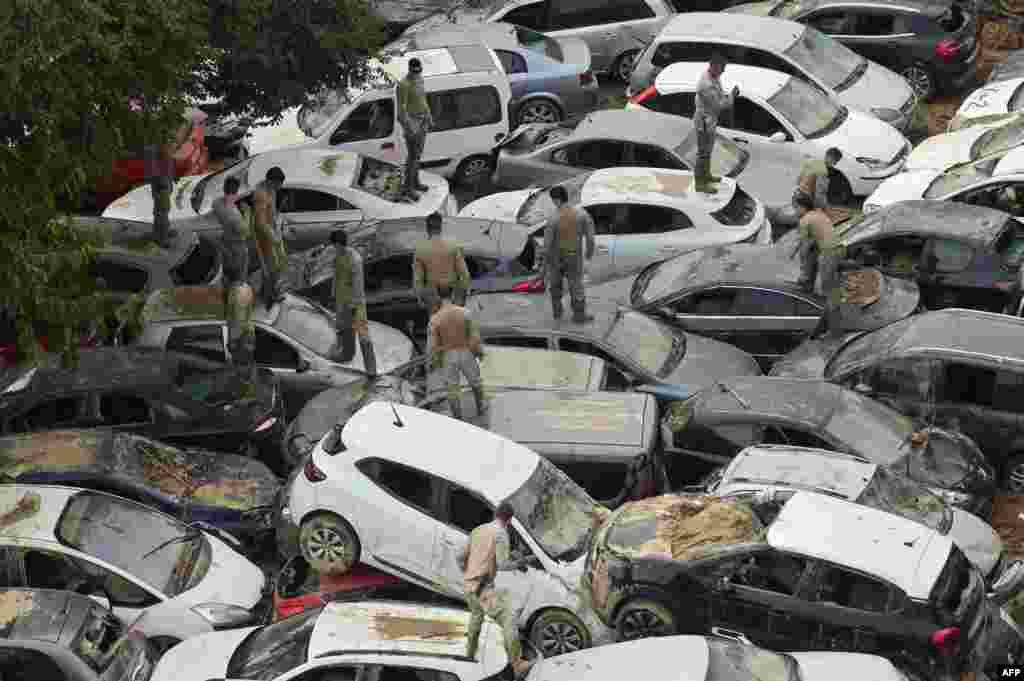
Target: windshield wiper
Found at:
675, 355
190, 536
854, 75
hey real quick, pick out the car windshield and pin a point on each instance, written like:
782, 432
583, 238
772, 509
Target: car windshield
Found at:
833, 63
727, 157
960, 178
307, 325
998, 140
555, 511
666, 277
274, 650
313, 118
899, 495
154, 548
729, 661
539, 206
943, 463
212, 186
870, 427
538, 42
808, 108
656, 347
380, 178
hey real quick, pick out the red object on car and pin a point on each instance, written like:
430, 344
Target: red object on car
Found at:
948, 49
300, 588
532, 286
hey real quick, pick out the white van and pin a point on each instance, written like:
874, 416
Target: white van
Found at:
468, 93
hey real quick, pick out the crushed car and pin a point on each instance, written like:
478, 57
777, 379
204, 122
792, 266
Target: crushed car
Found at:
993, 103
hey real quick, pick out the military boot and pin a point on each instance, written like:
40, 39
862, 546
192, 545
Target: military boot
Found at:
481, 401
556, 308
455, 406
580, 316
369, 357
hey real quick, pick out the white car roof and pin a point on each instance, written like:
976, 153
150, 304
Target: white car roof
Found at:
636, 125
32, 511
754, 80
315, 167
1010, 164
655, 186
402, 629
670, 658
768, 33
799, 467
453, 450
905, 553
991, 98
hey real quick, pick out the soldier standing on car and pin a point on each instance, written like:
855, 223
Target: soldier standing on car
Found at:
819, 254
350, 304
416, 119
438, 263
486, 553
564, 237
453, 345
234, 230
269, 242
238, 304
160, 173
711, 100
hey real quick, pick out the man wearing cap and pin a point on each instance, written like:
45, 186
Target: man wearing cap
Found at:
415, 118
269, 242
350, 304
439, 263
565, 235
235, 233
453, 345
711, 100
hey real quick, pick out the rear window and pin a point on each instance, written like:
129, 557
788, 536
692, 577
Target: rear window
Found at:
1017, 100
538, 42
199, 266
739, 211
381, 179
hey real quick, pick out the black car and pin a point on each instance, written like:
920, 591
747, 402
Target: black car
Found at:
719, 421
931, 43
959, 368
165, 396
960, 255
63, 636
811, 573
749, 296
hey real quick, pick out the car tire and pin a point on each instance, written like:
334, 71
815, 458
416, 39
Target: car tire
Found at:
555, 632
644, 617
920, 78
622, 69
1013, 474
539, 110
474, 169
329, 544
163, 643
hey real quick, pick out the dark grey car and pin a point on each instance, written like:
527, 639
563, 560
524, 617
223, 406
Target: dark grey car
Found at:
48, 635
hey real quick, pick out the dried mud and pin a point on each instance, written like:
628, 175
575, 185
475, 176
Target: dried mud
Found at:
393, 628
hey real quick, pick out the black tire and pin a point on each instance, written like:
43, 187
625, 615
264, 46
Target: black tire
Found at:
473, 170
920, 78
1013, 474
539, 110
622, 69
555, 632
644, 617
329, 544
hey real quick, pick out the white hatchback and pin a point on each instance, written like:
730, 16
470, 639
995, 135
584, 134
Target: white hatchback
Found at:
777, 108
400, 489
173, 582
641, 215
992, 103
964, 146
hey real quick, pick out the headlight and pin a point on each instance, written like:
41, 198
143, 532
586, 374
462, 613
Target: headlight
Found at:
886, 114
223, 615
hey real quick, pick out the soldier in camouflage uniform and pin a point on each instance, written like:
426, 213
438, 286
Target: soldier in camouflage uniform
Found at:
814, 179
234, 230
350, 304
564, 237
239, 303
416, 120
453, 344
710, 101
819, 252
273, 256
160, 173
439, 263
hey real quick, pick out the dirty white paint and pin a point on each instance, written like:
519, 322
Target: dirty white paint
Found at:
393, 627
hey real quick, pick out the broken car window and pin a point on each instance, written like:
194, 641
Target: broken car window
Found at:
851, 590
274, 650
383, 180
555, 511
902, 496
728, 661
654, 346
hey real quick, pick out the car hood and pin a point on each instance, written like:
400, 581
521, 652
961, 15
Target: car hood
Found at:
232, 579
499, 206
285, 133
823, 666
576, 52
864, 135
877, 87
905, 186
234, 482
138, 203
707, 361
945, 150
976, 539
809, 359
200, 657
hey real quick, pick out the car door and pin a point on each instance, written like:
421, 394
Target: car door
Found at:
470, 117
301, 376
572, 158
753, 122
651, 233
370, 128
517, 70
967, 396
328, 670
599, 23
461, 511
310, 215
390, 298
878, 33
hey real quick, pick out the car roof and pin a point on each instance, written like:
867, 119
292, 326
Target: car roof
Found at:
902, 551
38, 614
929, 7
305, 166
97, 368
968, 332
795, 399
398, 628
689, 656
800, 467
32, 511
533, 312
1011, 163
496, 468
67, 449
474, 235
133, 239
951, 219
580, 418
205, 302
493, 34
768, 33
684, 77
509, 367
463, 55
659, 186
636, 125
735, 264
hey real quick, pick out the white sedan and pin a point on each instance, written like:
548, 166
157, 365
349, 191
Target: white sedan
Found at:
992, 103
641, 215
776, 108
321, 185
171, 581
974, 143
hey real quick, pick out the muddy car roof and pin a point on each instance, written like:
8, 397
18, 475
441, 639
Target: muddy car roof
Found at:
97, 368
533, 313
474, 235
32, 511
133, 239
768, 33
904, 552
38, 614
793, 399
205, 302
638, 125
952, 219
956, 331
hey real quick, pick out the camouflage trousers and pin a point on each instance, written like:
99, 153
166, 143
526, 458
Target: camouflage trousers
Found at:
567, 266
493, 604
415, 139
456, 364
819, 272
431, 299
705, 145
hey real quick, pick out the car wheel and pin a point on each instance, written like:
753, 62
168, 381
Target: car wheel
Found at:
329, 544
473, 170
1013, 474
539, 111
921, 80
622, 69
642, 618
556, 632
163, 643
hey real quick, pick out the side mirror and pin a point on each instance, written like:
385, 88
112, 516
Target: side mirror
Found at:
777, 137
303, 367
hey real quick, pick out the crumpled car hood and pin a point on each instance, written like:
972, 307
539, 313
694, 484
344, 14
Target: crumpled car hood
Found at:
810, 358
877, 87
939, 152
976, 539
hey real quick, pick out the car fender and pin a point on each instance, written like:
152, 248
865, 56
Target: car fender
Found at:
172, 618
534, 591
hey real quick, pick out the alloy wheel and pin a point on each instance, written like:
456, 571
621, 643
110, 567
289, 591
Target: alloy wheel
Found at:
557, 638
641, 624
539, 111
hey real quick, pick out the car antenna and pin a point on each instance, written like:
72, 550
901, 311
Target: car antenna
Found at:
398, 419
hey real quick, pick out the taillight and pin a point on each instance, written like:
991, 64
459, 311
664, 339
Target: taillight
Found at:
947, 641
587, 78
532, 286
266, 425
644, 95
312, 472
948, 49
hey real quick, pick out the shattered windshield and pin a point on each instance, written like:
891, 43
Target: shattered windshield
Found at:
870, 427
314, 117
728, 661
382, 179
942, 463
902, 496
835, 64
124, 534
274, 650
97, 637
656, 347
555, 511
726, 157
808, 108
960, 178
307, 325
539, 206
999, 139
